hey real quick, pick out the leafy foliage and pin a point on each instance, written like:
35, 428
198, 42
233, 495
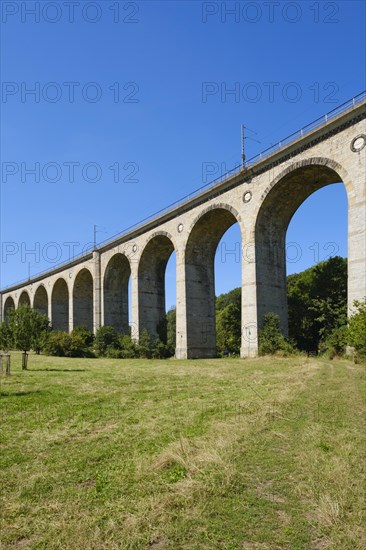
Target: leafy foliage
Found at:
317, 302
5, 336
40, 331
334, 344
228, 329
228, 322
105, 338
86, 336
171, 318
27, 327
271, 339
356, 334
232, 297
63, 344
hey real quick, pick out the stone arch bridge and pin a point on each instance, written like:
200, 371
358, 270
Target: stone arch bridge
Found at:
262, 198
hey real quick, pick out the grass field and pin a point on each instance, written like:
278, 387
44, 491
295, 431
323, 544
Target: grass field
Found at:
211, 454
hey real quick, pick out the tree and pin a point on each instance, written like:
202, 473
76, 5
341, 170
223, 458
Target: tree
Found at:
228, 322
317, 302
232, 297
40, 330
228, 330
5, 336
26, 326
270, 337
171, 318
356, 334
335, 343
162, 329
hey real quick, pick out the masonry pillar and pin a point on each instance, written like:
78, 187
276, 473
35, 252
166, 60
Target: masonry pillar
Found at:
357, 246
134, 302
71, 309
97, 296
249, 324
49, 314
181, 311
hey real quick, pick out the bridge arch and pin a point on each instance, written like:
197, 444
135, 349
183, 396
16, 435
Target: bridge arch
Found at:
151, 281
115, 293
8, 306
311, 161
40, 300
288, 191
83, 299
24, 299
60, 305
204, 236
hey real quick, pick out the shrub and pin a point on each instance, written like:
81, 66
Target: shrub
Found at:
62, 344
5, 336
58, 344
271, 340
162, 329
335, 344
86, 335
115, 353
228, 331
128, 347
356, 333
145, 345
106, 338
171, 318
160, 350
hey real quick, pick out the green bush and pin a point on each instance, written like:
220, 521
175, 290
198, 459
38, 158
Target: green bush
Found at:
106, 339
335, 344
62, 344
356, 333
5, 336
162, 329
271, 340
128, 347
160, 350
115, 353
145, 345
228, 330
171, 318
85, 335
146, 348
58, 344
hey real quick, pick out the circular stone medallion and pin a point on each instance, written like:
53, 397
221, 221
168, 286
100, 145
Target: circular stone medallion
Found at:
358, 143
247, 196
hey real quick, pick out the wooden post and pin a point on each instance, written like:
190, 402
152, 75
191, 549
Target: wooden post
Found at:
5, 358
7, 372
24, 360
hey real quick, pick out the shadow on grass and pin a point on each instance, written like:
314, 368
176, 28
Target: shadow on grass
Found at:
18, 393
57, 370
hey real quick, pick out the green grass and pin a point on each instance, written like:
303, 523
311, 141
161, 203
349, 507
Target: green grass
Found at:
209, 454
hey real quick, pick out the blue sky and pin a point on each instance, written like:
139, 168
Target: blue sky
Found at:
149, 92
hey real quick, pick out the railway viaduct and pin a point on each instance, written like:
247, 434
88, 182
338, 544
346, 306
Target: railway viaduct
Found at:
262, 197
